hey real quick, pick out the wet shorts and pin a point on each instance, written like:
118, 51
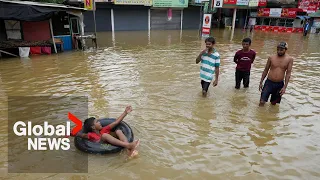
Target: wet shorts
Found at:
272, 88
205, 85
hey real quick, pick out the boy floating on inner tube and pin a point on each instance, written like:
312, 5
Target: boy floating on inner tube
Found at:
96, 133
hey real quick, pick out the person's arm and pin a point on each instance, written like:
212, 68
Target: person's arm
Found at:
254, 57
199, 56
288, 75
235, 58
265, 72
121, 117
217, 72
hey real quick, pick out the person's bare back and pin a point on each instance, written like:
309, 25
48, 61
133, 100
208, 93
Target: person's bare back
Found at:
280, 67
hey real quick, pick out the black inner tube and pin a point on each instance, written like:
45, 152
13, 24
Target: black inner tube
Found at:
103, 148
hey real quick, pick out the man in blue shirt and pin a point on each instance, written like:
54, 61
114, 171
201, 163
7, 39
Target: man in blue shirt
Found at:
306, 28
210, 63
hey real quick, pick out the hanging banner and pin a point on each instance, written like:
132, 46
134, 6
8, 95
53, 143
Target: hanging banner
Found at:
289, 12
217, 3
88, 4
262, 3
229, 1
263, 12
170, 3
253, 3
206, 25
242, 2
309, 6
133, 2
275, 12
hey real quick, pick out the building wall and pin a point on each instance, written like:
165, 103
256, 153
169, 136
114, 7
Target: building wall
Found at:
159, 19
191, 18
36, 31
135, 18
103, 20
130, 18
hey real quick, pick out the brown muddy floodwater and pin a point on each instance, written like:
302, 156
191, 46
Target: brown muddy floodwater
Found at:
183, 135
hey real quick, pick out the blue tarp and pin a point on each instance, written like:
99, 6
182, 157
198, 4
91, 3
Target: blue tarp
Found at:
303, 17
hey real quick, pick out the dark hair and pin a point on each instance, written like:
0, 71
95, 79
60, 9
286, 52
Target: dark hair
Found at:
210, 39
248, 40
87, 124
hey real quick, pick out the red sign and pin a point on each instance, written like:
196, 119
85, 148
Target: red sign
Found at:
78, 123
262, 3
264, 12
309, 6
289, 12
205, 30
229, 1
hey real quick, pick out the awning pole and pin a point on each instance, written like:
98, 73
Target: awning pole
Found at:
54, 43
234, 18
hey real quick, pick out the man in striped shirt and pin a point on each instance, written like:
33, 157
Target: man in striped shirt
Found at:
210, 63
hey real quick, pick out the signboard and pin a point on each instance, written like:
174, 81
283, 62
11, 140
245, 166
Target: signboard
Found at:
253, 3
170, 3
275, 12
278, 12
229, 1
264, 12
242, 2
217, 3
289, 12
206, 25
309, 6
88, 4
133, 2
262, 3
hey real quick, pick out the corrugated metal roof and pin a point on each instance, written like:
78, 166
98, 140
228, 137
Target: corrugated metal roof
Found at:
53, 5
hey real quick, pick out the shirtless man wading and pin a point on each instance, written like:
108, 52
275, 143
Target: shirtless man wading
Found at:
280, 66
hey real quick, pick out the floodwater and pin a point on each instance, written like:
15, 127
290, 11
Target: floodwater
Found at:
183, 135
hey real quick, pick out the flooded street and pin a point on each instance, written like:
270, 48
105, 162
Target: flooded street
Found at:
183, 135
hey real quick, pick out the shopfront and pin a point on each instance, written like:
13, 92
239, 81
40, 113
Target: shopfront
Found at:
279, 20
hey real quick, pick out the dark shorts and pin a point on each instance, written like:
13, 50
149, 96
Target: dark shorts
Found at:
205, 85
272, 88
242, 75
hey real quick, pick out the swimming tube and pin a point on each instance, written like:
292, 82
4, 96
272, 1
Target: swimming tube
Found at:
103, 148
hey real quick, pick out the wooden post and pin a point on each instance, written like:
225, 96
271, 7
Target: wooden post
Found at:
54, 43
95, 24
181, 19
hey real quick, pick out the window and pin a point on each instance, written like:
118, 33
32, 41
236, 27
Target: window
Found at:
75, 25
282, 22
289, 23
266, 21
13, 29
273, 22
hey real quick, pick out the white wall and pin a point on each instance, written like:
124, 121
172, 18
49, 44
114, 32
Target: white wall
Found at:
297, 23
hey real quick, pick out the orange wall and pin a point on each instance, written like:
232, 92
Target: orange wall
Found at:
36, 31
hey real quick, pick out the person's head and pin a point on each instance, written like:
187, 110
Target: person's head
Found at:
282, 48
91, 124
246, 43
210, 41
